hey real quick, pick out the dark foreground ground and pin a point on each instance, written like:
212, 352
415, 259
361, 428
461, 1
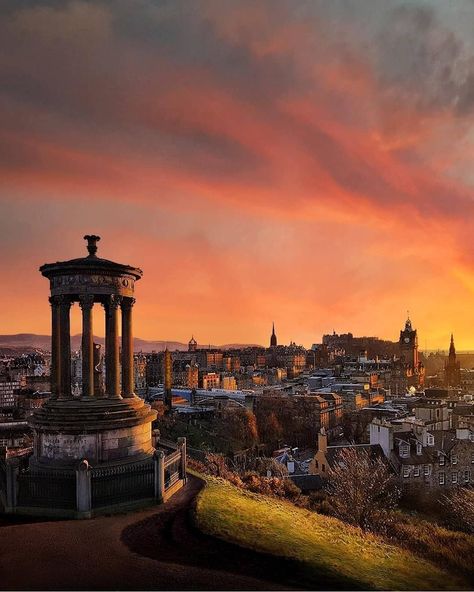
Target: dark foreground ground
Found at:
153, 549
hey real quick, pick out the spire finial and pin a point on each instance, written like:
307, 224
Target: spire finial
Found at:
92, 241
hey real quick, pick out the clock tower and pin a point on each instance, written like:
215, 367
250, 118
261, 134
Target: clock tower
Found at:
409, 346
411, 369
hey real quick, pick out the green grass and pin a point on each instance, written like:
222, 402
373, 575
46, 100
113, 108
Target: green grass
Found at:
326, 548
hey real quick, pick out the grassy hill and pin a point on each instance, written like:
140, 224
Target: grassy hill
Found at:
327, 551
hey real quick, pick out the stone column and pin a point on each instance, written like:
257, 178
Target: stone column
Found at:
128, 384
159, 463
12, 466
55, 348
183, 463
65, 349
112, 352
86, 302
83, 488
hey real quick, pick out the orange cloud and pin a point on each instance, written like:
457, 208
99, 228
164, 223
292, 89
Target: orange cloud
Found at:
256, 168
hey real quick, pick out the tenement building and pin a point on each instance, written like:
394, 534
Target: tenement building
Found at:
425, 456
94, 451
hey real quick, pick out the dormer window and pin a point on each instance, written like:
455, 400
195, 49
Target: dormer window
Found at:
430, 440
454, 459
404, 450
441, 461
419, 448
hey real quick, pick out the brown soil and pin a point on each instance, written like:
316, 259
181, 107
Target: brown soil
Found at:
153, 549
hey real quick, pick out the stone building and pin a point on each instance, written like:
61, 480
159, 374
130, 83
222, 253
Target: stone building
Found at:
139, 361
192, 375
154, 369
273, 337
425, 458
411, 369
326, 457
300, 416
211, 380
452, 368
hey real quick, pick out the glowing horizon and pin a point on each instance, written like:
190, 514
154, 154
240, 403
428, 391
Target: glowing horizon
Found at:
307, 163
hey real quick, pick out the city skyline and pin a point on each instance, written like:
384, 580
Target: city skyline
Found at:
203, 343
293, 164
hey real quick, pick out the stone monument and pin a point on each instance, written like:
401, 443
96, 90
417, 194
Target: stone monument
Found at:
115, 427
93, 452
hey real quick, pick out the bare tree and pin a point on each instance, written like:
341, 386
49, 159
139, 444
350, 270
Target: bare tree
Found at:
459, 504
362, 490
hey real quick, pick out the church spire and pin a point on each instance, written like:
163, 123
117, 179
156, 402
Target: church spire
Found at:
452, 368
452, 349
273, 338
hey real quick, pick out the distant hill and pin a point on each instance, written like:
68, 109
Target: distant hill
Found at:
23, 342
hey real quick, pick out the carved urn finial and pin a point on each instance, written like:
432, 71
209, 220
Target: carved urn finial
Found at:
92, 241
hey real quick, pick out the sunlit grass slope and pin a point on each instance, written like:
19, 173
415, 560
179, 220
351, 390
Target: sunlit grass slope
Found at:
326, 549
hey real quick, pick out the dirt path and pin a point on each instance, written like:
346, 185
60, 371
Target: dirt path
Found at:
153, 549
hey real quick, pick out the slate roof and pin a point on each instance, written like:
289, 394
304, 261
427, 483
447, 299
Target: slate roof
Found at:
444, 441
375, 451
307, 482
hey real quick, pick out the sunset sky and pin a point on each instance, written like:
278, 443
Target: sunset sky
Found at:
310, 163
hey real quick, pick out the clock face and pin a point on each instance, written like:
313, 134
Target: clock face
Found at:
407, 340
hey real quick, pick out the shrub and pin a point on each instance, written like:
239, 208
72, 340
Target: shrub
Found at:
362, 489
459, 505
319, 502
446, 547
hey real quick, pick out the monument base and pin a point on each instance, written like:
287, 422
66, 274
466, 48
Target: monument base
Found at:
97, 430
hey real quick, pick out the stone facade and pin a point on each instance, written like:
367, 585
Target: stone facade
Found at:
426, 458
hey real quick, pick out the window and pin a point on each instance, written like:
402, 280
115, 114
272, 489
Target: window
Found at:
404, 450
406, 471
441, 461
426, 469
454, 459
467, 475
418, 448
416, 472
430, 440
441, 478
454, 478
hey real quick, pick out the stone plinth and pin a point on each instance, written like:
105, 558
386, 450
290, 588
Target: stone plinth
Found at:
98, 430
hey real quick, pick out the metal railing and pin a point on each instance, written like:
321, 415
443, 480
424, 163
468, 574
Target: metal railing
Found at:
84, 488
122, 484
56, 489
